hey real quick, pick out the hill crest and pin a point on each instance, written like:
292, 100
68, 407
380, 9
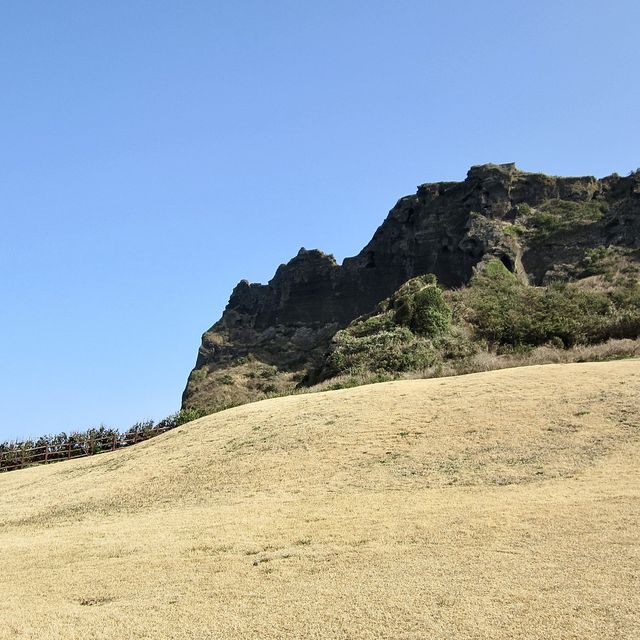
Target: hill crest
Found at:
501, 504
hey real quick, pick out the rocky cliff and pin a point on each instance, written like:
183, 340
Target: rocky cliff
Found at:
270, 335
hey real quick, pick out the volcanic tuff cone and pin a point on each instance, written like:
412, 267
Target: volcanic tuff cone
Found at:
540, 227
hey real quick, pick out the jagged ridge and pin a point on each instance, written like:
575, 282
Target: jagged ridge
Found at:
270, 335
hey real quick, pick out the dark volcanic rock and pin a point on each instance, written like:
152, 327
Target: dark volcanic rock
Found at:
446, 228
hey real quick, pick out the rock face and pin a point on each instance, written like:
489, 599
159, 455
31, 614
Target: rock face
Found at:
277, 331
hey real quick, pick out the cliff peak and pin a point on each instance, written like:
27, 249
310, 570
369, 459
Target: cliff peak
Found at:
491, 169
538, 226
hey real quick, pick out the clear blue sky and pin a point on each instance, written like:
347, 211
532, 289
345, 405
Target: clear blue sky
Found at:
154, 153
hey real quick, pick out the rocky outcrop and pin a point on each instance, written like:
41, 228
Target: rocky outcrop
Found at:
532, 222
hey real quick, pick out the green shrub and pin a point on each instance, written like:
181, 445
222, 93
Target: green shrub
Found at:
421, 327
593, 260
456, 345
431, 314
614, 263
187, 415
371, 325
391, 351
503, 311
425, 312
198, 375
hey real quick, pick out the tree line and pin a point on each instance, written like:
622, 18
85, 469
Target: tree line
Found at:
76, 444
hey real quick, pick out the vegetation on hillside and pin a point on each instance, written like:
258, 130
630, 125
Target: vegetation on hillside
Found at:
556, 216
61, 446
423, 326
505, 312
406, 332
245, 380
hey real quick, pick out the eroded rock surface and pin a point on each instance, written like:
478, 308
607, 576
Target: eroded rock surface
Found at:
271, 334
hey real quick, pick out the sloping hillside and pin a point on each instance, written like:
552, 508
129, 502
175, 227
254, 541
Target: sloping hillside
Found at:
495, 505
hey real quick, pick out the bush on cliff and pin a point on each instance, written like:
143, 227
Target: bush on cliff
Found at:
425, 312
422, 327
402, 335
504, 311
394, 350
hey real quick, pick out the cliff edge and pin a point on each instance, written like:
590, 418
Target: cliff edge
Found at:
540, 227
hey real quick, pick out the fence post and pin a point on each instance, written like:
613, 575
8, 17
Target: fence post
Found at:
68, 451
46, 454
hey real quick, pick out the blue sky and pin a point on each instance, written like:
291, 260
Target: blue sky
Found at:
155, 153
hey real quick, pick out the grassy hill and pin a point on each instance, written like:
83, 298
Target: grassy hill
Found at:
493, 505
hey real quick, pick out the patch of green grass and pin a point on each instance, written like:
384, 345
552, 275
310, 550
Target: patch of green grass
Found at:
198, 375
514, 230
556, 216
616, 264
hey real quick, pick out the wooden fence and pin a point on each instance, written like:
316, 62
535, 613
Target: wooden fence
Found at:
20, 457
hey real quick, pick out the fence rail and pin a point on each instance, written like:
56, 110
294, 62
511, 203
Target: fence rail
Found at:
21, 457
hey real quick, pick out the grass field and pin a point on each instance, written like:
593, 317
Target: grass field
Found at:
494, 505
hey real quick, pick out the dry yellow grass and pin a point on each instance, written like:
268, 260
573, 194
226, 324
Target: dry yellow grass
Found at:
494, 505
